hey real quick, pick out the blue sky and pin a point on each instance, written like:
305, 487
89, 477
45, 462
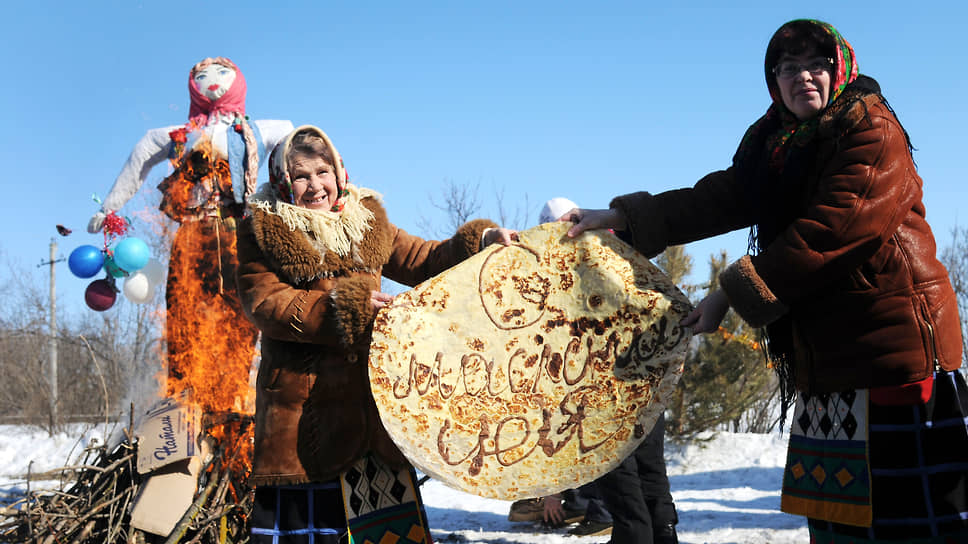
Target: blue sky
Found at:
529, 99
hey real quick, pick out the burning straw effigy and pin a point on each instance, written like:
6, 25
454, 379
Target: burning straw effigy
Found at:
113, 495
104, 487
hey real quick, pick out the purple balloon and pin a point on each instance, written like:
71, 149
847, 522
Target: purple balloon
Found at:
100, 295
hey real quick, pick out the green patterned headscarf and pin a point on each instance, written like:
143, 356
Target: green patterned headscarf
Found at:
779, 127
809, 33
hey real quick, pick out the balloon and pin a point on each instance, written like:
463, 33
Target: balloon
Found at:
155, 271
85, 261
131, 254
112, 268
100, 295
138, 288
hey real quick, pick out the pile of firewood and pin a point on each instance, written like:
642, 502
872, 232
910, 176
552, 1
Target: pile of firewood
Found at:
95, 506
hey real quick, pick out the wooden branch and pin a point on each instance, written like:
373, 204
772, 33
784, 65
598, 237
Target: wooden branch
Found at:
95, 508
85, 532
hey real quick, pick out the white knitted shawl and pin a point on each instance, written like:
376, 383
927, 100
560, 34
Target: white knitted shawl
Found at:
327, 230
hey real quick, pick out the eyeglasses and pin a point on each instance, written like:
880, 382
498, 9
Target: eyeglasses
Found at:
789, 69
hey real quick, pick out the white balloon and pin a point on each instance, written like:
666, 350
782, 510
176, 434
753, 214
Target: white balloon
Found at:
155, 271
138, 288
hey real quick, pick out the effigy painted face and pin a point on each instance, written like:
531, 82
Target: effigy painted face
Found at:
214, 80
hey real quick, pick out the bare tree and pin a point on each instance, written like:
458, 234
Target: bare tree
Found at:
462, 202
99, 354
516, 216
23, 346
955, 258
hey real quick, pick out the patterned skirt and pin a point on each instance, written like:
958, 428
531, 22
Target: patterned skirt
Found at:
868, 466
367, 503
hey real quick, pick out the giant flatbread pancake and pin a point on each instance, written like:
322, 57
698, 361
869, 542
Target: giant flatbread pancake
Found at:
532, 368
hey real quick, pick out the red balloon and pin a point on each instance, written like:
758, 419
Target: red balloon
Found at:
100, 295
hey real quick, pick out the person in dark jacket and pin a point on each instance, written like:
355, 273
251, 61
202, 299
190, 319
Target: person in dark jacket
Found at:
636, 495
860, 317
311, 255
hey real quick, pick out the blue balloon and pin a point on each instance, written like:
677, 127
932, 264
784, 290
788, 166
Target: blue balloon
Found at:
85, 261
131, 254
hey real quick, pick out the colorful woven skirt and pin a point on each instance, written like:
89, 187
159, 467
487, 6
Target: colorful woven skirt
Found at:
369, 504
882, 470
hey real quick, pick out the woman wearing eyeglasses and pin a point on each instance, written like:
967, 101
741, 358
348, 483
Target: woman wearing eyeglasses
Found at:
860, 317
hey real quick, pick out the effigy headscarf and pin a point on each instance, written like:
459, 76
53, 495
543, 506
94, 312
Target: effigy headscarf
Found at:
244, 148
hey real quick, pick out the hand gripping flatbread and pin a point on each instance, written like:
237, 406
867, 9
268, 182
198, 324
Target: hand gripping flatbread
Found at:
532, 368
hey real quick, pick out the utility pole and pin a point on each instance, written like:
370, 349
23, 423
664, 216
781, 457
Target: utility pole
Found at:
53, 336
52, 340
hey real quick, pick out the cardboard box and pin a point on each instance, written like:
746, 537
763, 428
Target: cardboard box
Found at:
168, 432
168, 451
165, 497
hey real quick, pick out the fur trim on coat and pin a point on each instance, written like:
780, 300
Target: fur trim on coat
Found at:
749, 295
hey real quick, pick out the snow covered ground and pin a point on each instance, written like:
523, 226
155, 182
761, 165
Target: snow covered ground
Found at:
727, 490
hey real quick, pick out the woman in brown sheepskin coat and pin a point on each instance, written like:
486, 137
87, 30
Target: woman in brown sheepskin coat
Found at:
860, 317
310, 261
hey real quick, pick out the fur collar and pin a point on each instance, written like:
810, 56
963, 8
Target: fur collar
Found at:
298, 247
328, 230
847, 113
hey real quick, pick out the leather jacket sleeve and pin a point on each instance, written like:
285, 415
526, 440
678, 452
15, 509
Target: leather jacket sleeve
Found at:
711, 207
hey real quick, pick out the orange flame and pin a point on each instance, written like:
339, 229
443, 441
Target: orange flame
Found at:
211, 343
234, 435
